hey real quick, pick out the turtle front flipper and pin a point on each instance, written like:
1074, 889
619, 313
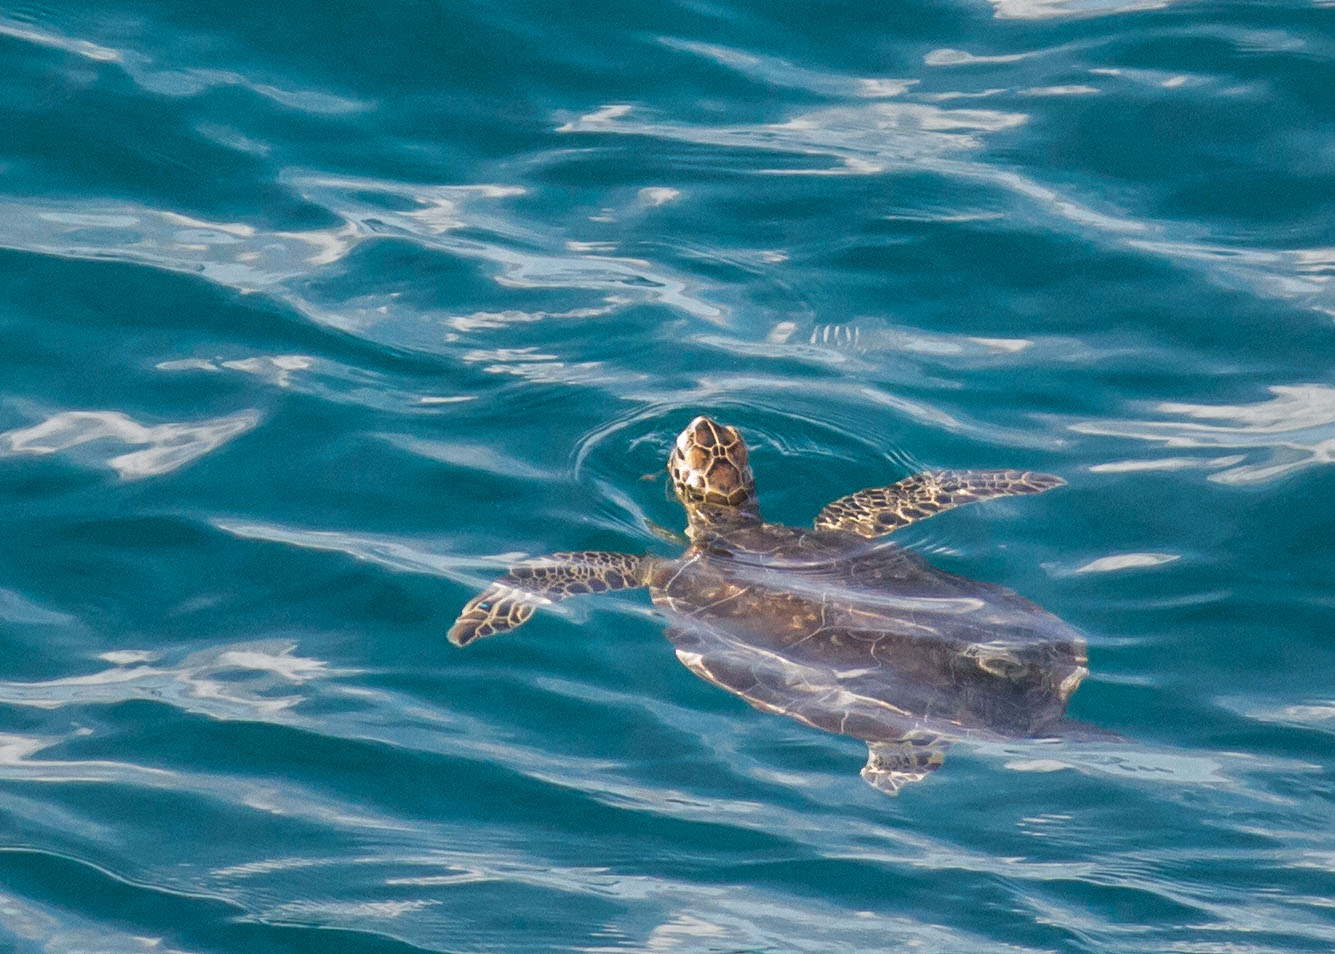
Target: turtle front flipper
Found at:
892, 765
879, 510
510, 600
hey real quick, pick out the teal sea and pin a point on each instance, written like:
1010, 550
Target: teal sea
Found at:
316, 316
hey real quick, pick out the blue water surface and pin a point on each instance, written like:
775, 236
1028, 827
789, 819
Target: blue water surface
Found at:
315, 316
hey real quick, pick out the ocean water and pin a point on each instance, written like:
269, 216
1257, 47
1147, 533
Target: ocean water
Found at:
314, 317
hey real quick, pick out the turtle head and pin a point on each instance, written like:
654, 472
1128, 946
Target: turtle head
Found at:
711, 475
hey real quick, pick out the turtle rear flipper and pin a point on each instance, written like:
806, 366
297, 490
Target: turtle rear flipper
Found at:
510, 601
879, 510
892, 765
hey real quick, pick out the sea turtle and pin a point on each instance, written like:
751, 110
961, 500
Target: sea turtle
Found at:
830, 626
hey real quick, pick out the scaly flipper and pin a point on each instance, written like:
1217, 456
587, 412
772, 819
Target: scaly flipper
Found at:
510, 601
892, 765
879, 510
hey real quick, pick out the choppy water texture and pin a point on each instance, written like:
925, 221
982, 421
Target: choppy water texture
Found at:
316, 315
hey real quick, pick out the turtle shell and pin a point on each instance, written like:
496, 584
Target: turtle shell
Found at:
865, 639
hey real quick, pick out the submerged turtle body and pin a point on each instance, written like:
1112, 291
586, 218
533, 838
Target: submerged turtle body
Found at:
867, 641
830, 626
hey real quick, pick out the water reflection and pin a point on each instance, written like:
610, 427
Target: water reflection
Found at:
280, 262
1051, 9
1291, 431
17, 608
276, 369
771, 71
169, 446
248, 681
956, 349
906, 132
1127, 561
179, 80
390, 552
865, 139
55, 929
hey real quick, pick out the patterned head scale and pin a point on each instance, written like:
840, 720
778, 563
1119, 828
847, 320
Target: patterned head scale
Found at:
709, 469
